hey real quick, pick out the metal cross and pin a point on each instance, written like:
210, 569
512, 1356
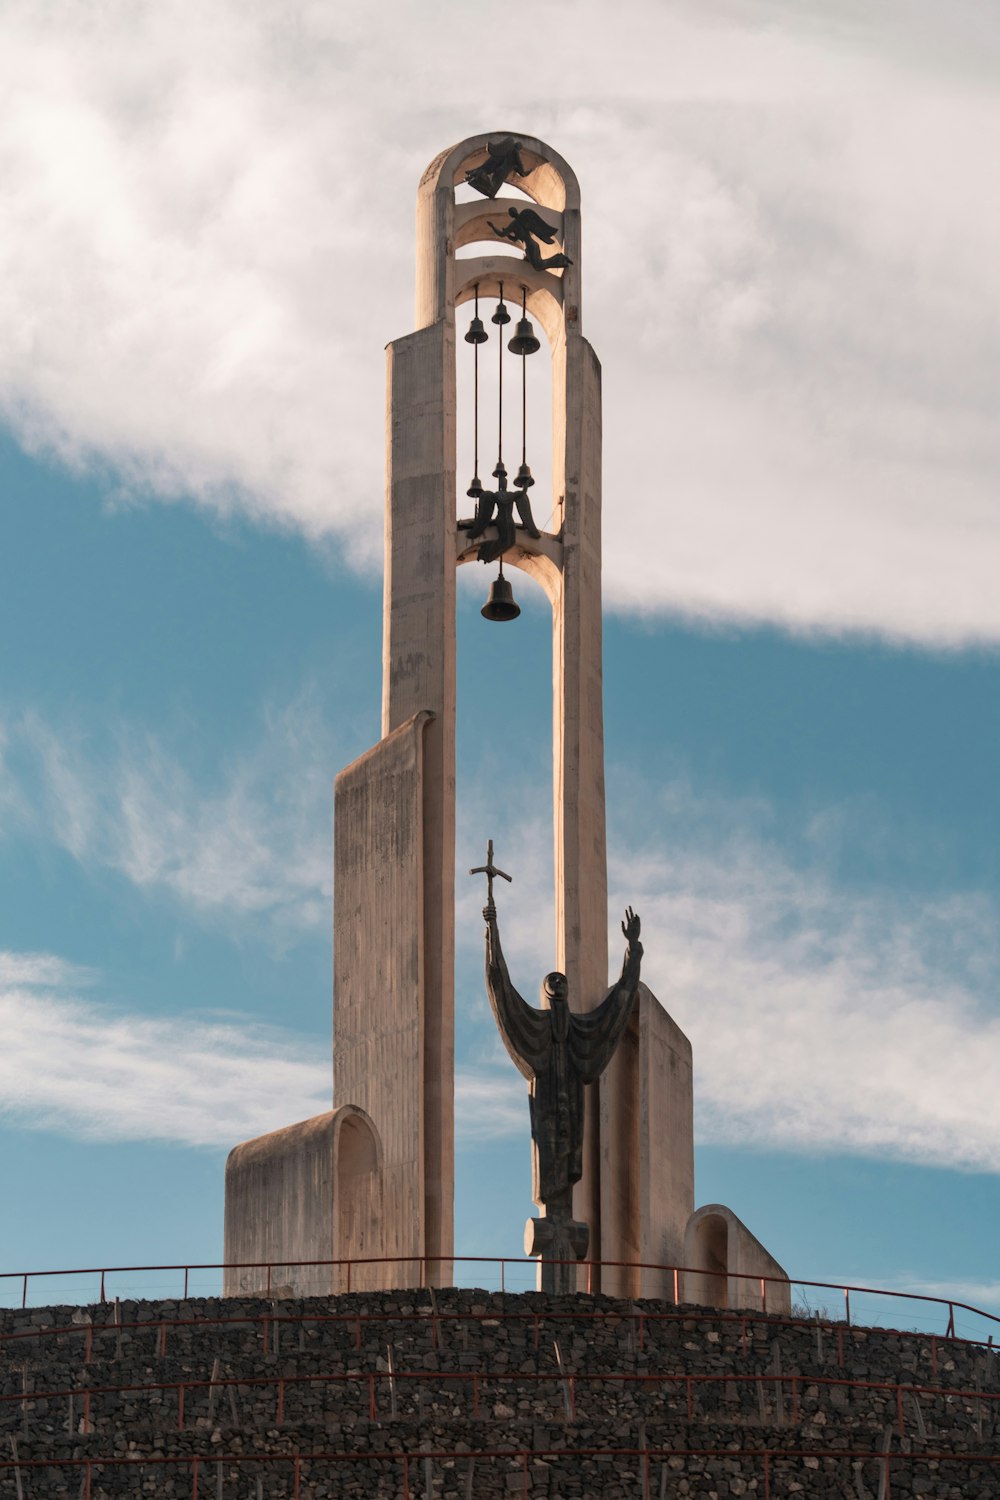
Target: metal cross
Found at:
490, 870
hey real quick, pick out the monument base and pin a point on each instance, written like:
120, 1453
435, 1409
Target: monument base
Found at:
558, 1242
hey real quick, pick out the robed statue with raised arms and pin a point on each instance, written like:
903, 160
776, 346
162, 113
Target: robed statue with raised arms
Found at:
558, 1052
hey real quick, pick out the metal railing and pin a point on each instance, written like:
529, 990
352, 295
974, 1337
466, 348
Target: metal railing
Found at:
350, 1271
643, 1320
369, 1383
765, 1461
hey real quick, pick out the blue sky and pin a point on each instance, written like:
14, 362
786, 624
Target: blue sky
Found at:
791, 284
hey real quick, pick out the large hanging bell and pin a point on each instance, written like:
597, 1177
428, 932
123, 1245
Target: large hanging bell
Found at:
524, 479
475, 488
477, 333
501, 315
524, 341
500, 605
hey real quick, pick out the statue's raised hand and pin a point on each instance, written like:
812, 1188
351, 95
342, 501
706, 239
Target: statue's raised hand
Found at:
630, 926
489, 912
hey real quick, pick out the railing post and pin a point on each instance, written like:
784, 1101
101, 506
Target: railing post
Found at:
102, 1296
503, 1280
950, 1334
847, 1304
295, 1491
185, 1283
268, 1291
86, 1479
194, 1478
406, 1476
763, 1294
24, 1291
677, 1288
348, 1275
180, 1408
888, 1475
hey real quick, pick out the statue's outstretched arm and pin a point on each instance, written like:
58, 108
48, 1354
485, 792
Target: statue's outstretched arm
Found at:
597, 1033
525, 1031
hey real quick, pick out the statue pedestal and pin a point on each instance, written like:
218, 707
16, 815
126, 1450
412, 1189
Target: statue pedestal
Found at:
559, 1242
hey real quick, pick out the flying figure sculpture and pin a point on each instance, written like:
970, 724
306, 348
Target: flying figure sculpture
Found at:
525, 229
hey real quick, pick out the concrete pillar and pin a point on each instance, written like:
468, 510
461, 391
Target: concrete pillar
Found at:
418, 667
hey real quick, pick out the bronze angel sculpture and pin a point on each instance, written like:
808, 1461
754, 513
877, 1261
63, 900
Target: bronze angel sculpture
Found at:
526, 228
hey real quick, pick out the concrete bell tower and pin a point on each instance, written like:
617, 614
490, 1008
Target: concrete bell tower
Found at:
375, 1176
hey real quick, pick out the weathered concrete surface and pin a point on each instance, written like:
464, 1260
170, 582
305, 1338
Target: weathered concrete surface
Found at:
311, 1191
418, 676
380, 1011
722, 1251
647, 1144
571, 577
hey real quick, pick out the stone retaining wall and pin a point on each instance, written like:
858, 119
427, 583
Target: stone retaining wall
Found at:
521, 1373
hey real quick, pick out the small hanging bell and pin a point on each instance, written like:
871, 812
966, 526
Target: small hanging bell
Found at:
475, 488
477, 333
524, 479
500, 605
501, 315
524, 341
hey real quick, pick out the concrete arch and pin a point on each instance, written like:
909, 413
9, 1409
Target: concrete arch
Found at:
725, 1263
310, 1192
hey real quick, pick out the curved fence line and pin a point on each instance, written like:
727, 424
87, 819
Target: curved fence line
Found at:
421, 1263
431, 1318
768, 1458
370, 1380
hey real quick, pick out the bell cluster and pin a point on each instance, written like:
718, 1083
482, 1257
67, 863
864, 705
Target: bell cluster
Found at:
523, 342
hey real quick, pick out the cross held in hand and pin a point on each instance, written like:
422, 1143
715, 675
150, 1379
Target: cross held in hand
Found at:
490, 870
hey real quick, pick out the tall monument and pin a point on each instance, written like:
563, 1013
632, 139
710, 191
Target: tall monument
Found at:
375, 1176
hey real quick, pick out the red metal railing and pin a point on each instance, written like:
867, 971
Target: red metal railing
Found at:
670, 1275
644, 1320
768, 1459
371, 1380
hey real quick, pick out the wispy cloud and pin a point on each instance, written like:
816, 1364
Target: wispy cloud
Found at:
824, 1018
790, 277
71, 1064
75, 1065
254, 843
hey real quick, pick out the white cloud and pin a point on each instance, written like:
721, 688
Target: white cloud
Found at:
73, 1065
823, 1019
256, 846
790, 276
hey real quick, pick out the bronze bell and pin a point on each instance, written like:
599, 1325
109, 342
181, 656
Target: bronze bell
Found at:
500, 605
475, 488
501, 315
524, 479
524, 341
477, 333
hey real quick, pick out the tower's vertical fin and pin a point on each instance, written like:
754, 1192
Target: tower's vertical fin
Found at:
419, 674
